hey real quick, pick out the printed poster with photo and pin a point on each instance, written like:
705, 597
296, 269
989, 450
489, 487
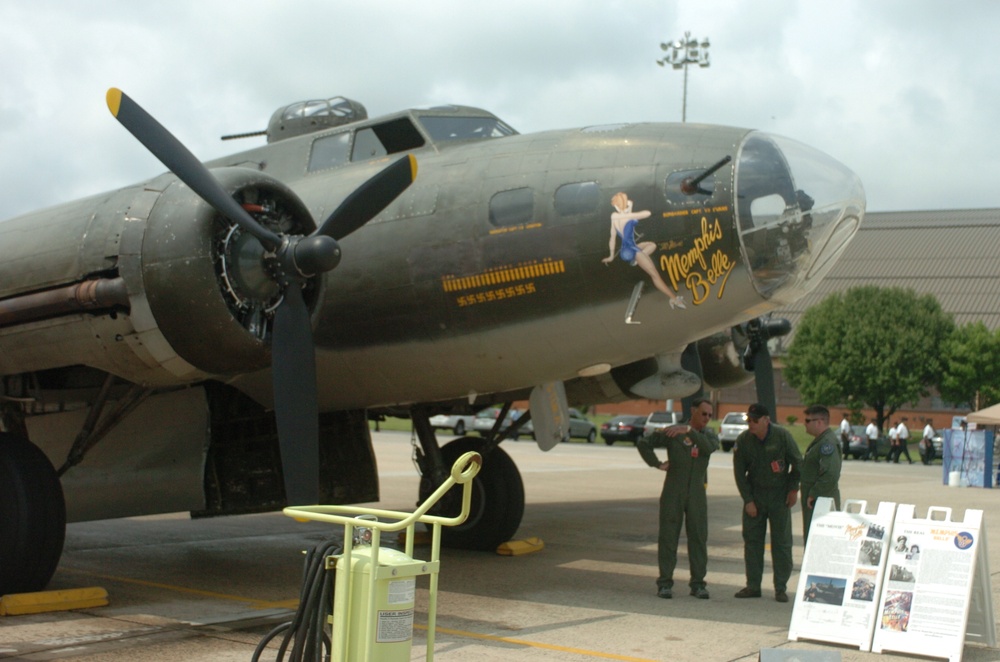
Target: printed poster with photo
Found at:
930, 569
842, 571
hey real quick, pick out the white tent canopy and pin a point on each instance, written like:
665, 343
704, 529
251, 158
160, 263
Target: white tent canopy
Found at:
988, 416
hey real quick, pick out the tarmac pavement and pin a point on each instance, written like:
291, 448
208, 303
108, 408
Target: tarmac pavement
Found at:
183, 589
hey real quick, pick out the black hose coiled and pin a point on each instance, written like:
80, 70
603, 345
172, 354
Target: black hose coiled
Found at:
306, 632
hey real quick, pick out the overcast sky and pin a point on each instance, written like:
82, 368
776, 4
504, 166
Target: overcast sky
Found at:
904, 92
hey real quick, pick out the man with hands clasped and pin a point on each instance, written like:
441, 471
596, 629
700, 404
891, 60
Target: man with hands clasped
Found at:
683, 497
766, 467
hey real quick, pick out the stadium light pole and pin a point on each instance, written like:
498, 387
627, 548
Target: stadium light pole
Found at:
681, 53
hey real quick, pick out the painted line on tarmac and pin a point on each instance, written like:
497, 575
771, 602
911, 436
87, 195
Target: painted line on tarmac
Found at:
535, 644
292, 604
258, 604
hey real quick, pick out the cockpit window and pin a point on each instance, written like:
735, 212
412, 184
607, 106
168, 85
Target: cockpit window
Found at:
445, 128
372, 142
330, 151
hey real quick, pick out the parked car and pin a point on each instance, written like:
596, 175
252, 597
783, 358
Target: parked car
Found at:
457, 423
661, 419
580, 427
734, 423
623, 428
487, 418
857, 443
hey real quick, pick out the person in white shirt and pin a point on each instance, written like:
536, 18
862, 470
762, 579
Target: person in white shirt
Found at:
927, 444
845, 435
894, 444
904, 439
872, 433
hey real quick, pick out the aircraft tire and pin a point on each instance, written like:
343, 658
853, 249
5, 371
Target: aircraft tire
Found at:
497, 499
32, 516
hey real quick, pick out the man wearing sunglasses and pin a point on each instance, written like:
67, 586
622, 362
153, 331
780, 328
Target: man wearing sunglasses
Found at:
766, 466
820, 465
683, 499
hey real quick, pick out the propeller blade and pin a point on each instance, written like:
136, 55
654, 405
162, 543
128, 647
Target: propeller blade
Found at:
296, 408
165, 147
366, 201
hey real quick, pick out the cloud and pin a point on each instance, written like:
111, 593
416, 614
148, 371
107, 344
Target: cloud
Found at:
902, 92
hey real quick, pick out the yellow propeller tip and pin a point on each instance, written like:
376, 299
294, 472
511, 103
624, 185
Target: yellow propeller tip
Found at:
114, 100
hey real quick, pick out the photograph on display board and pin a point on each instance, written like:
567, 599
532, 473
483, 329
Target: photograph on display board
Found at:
865, 583
902, 574
825, 590
870, 552
896, 610
875, 531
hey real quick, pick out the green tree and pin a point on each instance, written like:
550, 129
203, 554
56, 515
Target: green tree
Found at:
971, 361
873, 345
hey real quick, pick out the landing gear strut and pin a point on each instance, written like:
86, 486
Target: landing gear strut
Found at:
497, 490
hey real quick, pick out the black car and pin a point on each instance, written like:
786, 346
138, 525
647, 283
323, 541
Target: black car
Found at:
858, 446
623, 428
857, 442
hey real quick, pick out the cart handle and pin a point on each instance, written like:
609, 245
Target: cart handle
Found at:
462, 472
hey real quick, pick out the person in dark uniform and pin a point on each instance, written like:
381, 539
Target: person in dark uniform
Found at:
820, 465
683, 496
766, 466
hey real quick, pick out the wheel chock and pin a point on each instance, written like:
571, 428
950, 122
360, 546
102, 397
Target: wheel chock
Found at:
520, 547
18, 604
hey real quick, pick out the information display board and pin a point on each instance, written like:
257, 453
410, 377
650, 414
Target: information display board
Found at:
842, 572
932, 567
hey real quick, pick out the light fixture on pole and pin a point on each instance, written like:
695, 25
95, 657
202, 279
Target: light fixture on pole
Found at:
679, 54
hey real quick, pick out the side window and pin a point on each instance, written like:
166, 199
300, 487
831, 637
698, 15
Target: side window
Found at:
367, 146
579, 198
512, 207
330, 151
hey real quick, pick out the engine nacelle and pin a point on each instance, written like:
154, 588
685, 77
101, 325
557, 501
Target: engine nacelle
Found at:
206, 280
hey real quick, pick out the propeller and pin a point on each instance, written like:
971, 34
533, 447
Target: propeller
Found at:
757, 357
291, 260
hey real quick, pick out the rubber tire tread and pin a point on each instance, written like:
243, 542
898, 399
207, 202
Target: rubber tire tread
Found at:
499, 485
32, 517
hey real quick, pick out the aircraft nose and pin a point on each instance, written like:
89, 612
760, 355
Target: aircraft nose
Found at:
797, 209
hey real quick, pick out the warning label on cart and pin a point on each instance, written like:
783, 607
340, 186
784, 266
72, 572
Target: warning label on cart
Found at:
402, 591
394, 626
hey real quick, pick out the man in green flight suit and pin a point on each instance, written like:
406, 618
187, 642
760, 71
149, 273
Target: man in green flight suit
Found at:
766, 466
683, 497
820, 465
